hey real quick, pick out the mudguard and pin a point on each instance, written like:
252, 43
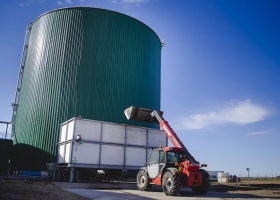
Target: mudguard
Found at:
173, 170
144, 169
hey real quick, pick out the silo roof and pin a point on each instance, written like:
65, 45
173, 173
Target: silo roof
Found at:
97, 9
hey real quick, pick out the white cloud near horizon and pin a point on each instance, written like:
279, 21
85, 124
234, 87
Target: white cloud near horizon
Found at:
258, 133
241, 112
59, 3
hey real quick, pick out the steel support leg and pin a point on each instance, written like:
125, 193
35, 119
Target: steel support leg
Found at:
71, 175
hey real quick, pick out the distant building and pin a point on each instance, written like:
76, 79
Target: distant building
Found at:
213, 175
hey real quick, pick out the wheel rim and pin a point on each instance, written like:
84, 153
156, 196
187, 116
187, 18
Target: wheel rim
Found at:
142, 180
168, 184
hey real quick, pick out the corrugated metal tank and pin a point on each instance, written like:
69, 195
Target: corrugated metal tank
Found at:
83, 61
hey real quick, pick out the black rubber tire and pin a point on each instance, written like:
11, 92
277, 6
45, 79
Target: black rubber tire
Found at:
149, 187
171, 183
204, 188
142, 181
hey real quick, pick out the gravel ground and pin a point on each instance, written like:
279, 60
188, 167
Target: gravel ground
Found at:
11, 189
35, 190
259, 188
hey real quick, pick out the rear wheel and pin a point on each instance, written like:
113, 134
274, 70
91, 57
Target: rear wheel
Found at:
171, 183
204, 188
142, 181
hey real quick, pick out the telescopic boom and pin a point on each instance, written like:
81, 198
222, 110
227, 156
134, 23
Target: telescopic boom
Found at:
154, 116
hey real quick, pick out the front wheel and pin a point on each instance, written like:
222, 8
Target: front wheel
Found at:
171, 183
142, 181
204, 188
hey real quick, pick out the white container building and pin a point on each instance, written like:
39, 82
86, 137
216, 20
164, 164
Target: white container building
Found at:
223, 177
213, 175
87, 143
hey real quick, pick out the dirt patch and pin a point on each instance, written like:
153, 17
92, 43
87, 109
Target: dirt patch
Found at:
38, 190
258, 188
35, 190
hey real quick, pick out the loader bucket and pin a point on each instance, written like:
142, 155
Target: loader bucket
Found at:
140, 114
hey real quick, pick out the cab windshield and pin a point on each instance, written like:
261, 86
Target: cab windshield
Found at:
173, 157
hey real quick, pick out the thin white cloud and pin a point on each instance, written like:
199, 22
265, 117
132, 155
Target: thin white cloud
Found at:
242, 112
59, 3
134, 1
258, 133
131, 3
68, 1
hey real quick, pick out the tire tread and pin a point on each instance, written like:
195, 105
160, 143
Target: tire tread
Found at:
176, 179
146, 186
204, 188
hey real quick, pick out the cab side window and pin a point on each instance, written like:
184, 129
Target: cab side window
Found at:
171, 157
154, 158
161, 156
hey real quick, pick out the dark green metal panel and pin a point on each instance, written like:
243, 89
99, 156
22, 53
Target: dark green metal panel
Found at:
89, 62
5, 155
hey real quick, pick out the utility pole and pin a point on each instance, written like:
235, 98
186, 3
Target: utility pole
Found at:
248, 169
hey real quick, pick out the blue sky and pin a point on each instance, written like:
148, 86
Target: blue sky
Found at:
220, 73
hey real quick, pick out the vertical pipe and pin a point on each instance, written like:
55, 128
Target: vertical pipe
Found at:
6, 131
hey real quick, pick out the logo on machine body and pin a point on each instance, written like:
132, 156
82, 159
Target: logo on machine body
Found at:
167, 131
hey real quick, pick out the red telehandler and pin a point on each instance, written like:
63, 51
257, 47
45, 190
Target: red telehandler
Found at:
169, 167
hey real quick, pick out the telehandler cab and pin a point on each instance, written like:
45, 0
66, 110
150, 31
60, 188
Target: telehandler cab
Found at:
169, 167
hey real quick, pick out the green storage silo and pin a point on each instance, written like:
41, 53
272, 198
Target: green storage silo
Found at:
87, 62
